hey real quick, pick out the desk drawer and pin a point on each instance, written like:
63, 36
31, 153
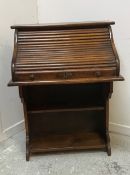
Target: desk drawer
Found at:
66, 75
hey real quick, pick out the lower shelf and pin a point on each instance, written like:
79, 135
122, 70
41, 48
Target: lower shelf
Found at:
63, 109
64, 142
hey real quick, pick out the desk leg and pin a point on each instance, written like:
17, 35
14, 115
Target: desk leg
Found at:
21, 94
109, 93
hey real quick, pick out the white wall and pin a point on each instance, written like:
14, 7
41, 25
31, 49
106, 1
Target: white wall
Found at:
84, 10
11, 12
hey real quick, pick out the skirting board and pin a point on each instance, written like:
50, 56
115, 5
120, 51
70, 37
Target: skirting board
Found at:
9, 132
119, 128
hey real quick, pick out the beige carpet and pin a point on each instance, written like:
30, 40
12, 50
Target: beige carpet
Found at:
12, 160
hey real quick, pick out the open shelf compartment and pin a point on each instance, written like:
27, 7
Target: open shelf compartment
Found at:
69, 130
64, 98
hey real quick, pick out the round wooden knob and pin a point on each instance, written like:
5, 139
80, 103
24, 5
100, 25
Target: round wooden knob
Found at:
98, 73
32, 77
70, 74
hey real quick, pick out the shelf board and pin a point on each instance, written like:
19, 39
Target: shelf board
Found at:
62, 109
62, 142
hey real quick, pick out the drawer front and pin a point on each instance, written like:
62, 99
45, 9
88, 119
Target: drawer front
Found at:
65, 75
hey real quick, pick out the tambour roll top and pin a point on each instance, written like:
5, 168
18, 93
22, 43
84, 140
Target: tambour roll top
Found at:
64, 53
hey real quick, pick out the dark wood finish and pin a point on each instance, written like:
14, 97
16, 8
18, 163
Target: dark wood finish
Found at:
64, 25
68, 142
70, 53
65, 74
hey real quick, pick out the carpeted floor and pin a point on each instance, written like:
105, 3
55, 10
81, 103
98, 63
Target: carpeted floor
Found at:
12, 160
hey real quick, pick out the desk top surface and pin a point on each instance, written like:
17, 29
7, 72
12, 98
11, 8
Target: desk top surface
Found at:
64, 24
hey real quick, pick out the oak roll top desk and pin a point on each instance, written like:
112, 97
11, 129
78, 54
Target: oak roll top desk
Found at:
65, 75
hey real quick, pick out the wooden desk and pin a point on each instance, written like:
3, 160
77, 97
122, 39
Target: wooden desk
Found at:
65, 75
